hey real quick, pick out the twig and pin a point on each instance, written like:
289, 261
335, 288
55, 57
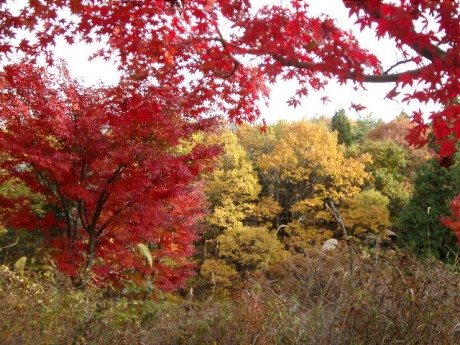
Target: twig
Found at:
11, 245
397, 64
336, 214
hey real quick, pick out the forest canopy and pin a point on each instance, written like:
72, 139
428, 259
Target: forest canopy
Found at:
115, 177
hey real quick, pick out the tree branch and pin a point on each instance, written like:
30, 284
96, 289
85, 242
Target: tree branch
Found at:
237, 63
293, 63
396, 65
389, 78
367, 78
334, 212
126, 206
429, 51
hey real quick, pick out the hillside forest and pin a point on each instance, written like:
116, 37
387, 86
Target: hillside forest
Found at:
263, 210
164, 209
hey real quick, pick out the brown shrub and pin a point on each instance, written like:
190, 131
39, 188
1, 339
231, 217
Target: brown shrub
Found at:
308, 299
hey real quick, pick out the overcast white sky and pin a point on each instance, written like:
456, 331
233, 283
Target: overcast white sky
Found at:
340, 96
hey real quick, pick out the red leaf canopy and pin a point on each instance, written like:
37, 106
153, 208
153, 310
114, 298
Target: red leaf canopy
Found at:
109, 162
224, 52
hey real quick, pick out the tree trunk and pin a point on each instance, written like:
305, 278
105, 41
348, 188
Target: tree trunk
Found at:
81, 282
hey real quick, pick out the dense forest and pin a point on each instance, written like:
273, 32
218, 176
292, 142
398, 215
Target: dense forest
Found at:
260, 270
163, 209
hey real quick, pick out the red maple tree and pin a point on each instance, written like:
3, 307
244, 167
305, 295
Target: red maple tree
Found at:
110, 164
228, 51
219, 56
453, 221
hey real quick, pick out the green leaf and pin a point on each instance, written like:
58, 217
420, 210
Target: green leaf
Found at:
146, 252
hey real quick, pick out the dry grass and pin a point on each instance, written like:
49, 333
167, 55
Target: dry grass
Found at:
311, 299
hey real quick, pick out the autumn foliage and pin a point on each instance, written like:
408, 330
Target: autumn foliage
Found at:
453, 221
167, 40
108, 162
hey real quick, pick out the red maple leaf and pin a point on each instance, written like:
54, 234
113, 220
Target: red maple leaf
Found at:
357, 107
325, 99
105, 160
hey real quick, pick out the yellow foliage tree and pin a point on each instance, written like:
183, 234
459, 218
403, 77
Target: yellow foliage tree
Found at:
219, 275
265, 211
241, 250
367, 214
233, 189
250, 248
306, 168
233, 186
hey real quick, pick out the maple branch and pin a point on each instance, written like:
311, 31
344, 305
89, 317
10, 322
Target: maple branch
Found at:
81, 205
66, 211
91, 228
429, 51
83, 170
116, 173
235, 60
397, 64
227, 75
293, 63
253, 51
389, 78
82, 214
127, 205
45, 184
97, 212
368, 78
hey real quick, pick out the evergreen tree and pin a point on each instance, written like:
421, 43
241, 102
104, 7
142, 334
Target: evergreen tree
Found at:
362, 127
420, 226
342, 125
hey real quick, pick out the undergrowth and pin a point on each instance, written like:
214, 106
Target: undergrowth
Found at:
308, 299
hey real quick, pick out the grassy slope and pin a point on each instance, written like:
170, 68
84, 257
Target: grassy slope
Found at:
312, 299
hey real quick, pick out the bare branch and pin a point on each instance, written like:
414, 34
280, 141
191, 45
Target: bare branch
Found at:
334, 212
397, 64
